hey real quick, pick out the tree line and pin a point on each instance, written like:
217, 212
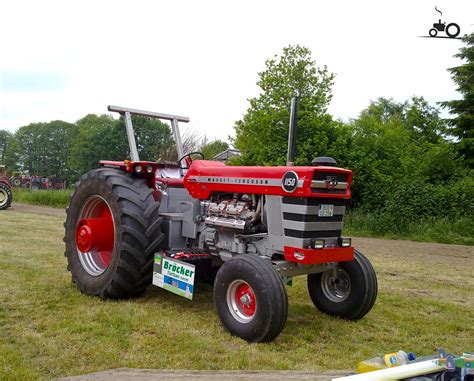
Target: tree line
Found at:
67, 150
409, 163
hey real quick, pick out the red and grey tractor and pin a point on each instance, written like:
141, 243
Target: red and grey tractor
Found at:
134, 223
6, 194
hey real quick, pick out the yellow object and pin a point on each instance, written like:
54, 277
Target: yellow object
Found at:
377, 363
391, 359
365, 366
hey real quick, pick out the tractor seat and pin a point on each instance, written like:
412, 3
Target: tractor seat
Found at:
169, 173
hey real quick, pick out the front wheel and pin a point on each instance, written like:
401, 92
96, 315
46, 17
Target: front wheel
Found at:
433, 32
348, 290
250, 298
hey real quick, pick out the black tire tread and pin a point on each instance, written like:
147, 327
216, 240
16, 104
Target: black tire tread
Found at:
369, 293
270, 277
138, 211
9, 196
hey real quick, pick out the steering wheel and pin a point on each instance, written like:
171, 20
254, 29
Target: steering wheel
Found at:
189, 159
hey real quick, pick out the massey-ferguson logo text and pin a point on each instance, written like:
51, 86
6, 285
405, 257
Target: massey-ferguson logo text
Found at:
331, 182
289, 181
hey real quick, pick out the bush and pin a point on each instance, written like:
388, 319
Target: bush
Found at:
54, 198
453, 231
420, 210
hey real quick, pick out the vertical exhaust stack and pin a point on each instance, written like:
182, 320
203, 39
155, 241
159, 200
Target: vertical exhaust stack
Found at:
290, 161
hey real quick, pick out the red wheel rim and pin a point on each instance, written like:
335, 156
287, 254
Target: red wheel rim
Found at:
95, 235
246, 299
241, 301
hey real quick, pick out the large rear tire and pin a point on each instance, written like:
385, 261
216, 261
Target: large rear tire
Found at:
125, 267
250, 298
6, 196
347, 291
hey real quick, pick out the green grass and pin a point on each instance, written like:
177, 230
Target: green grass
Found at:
459, 231
49, 329
53, 198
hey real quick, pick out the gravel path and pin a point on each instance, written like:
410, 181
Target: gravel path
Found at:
36, 209
122, 374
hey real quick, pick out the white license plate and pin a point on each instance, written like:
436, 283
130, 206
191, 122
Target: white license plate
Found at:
326, 210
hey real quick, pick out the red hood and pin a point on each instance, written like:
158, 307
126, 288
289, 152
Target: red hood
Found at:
205, 177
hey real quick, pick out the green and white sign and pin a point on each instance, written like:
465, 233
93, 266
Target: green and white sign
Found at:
174, 276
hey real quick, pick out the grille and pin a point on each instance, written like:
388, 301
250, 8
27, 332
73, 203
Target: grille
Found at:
337, 182
301, 219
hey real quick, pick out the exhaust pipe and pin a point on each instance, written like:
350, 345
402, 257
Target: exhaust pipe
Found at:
290, 161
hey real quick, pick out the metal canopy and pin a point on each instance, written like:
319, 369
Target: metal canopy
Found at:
149, 114
127, 112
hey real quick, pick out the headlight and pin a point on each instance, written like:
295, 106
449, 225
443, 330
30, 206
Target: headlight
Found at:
346, 242
138, 168
149, 168
318, 244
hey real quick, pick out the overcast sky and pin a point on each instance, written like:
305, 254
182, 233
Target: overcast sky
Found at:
65, 59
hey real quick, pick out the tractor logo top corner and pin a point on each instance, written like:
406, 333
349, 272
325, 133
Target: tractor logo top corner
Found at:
452, 30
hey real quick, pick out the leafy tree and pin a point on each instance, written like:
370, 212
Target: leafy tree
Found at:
102, 137
11, 154
44, 148
462, 126
262, 133
99, 138
211, 149
152, 136
5, 138
394, 143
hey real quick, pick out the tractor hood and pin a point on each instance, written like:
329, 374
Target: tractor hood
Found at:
205, 177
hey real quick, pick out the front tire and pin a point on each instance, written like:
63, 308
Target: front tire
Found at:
123, 266
6, 196
250, 298
348, 291
433, 32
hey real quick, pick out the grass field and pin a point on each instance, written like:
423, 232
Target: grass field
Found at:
48, 329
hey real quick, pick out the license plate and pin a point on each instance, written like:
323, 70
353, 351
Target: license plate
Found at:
326, 210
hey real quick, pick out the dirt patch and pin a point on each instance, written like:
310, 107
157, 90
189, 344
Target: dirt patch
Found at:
150, 374
37, 209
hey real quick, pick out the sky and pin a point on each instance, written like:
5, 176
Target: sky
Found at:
201, 59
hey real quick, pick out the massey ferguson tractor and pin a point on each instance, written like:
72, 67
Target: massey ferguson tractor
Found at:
249, 230
6, 194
